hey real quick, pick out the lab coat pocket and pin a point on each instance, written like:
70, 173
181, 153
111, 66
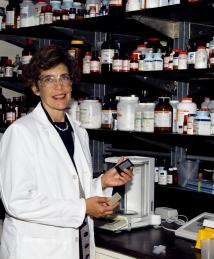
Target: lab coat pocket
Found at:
40, 248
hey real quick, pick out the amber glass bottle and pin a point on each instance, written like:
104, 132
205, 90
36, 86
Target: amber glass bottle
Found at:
163, 115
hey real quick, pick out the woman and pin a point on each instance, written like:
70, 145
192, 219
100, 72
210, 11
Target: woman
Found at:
46, 172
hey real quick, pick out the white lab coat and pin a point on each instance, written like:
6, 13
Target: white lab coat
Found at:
40, 190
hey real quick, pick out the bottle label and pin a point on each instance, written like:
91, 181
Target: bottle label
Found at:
9, 71
26, 59
126, 65
115, 2
117, 65
169, 179
133, 65
42, 18
191, 58
10, 117
10, 18
48, 18
72, 16
107, 56
86, 66
95, 66
163, 119
148, 65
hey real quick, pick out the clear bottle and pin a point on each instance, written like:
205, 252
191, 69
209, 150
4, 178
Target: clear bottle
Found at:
108, 49
163, 115
12, 14
205, 103
27, 13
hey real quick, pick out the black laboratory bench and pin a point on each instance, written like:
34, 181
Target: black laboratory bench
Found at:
139, 243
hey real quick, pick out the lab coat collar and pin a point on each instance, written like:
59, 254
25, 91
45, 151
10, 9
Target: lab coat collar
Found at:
79, 153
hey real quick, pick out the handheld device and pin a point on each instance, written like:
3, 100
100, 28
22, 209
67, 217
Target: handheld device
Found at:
124, 165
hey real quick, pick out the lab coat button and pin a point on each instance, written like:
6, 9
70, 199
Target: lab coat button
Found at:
76, 239
74, 177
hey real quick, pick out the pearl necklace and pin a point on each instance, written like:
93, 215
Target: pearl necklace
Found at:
66, 127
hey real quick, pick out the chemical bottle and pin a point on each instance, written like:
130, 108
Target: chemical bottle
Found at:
93, 5
205, 103
77, 52
109, 110
185, 107
86, 63
27, 13
117, 63
10, 113
48, 14
38, 10
17, 70
117, 6
2, 19
95, 63
134, 63
12, 14
3, 103
8, 68
163, 115
27, 53
132, 5
191, 55
108, 49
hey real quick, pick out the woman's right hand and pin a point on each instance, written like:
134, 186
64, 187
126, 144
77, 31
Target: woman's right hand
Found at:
97, 207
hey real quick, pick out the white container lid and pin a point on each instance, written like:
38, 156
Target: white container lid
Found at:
136, 160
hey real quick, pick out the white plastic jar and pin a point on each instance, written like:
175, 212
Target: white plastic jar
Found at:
148, 117
90, 114
126, 112
185, 107
201, 57
138, 116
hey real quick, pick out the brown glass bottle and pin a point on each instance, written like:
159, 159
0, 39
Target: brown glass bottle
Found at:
163, 115
27, 53
117, 6
109, 110
108, 49
12, 14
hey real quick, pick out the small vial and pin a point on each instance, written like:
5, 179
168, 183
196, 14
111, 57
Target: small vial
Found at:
134, 63
117, 63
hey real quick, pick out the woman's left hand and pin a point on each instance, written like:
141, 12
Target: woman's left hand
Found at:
112, 178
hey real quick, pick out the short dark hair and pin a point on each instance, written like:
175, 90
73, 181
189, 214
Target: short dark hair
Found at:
45, 58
